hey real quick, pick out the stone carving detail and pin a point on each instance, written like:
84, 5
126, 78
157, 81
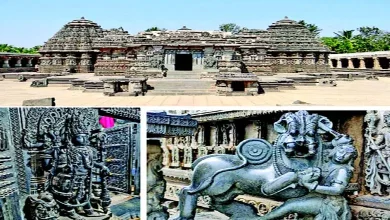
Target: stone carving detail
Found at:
210, 62
70, 162
377, 152
303, 179
175, 156
187, 157
202, 151
156, 185
3, 139
39, 83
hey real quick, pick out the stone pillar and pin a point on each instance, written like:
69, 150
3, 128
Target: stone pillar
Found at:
339, 65
350, 63
156, 185
18, 62
362, 64
377, 65
29, 64
6, 63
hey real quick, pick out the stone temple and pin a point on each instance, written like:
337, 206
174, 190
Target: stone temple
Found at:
82, 46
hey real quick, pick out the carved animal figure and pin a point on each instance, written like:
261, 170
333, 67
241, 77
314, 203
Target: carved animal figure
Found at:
259, 169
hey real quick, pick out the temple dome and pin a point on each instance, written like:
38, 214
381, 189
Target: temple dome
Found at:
76, 36
287, 35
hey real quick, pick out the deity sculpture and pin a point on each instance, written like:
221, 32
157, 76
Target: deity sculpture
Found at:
378, 153
286, 170
325, 200
72, 167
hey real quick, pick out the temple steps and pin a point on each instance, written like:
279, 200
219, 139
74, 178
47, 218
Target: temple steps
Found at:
184, 75
182, 87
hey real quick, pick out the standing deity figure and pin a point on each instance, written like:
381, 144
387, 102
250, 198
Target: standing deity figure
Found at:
187, 161
69, 179
325, 200
378, 154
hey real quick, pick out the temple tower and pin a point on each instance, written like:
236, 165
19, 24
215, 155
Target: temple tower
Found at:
71, 48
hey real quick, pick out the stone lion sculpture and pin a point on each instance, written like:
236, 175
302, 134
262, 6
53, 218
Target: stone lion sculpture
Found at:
291, 170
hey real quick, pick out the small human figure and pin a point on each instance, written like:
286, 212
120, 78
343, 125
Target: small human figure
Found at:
164, 71
325, 200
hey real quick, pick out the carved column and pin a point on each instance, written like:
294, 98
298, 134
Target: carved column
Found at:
18, 62
29, 62
224, 130
350, 63
339, 65
156, 185
232, 135
376, 154
362, 64
259, 129
215, 134
6, 62
200, 136
377, 65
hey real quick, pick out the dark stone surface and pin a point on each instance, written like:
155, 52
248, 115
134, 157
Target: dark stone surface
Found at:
40, 102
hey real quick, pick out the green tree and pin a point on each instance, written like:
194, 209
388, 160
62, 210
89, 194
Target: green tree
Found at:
230, 27
314, 29
12, 49
154, 29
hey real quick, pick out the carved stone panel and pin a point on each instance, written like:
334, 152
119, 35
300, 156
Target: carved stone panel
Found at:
118, 158
377, 153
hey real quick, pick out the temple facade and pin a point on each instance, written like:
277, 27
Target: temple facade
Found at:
84, 46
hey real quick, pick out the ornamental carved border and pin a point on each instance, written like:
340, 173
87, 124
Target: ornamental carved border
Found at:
225, 115
131, 114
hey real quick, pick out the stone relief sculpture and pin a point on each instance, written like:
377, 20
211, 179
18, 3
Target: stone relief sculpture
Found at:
175, 156
71, 166
156, 185
378, 152
210, 62
296, 168
187, 157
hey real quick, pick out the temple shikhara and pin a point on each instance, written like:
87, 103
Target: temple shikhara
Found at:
84, 46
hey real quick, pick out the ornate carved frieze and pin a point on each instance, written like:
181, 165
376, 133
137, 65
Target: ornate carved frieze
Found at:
226, 115
170, 125
130, 114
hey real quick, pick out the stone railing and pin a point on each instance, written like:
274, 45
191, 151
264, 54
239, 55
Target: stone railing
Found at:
376, 61
16, 62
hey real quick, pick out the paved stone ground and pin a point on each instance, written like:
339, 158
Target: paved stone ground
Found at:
347, 93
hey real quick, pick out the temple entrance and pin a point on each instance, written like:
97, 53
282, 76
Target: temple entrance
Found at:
183, 62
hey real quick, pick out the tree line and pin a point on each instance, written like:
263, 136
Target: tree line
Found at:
363, 39
12, 49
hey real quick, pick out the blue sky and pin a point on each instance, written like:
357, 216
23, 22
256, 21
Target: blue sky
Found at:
31, 22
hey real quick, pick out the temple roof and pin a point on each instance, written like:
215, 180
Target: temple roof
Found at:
83, 35
288, 35
77, 35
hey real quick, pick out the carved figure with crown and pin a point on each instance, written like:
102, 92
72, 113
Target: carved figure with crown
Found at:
74, 169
